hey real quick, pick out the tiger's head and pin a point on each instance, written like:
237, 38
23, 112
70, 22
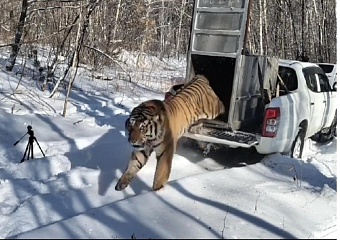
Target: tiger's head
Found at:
144, 126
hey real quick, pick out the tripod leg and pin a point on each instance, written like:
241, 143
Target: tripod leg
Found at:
27, 147
29, 151
20, 139
39, 146
32, 150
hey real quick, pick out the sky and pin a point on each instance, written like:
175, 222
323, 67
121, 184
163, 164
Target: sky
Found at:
69, 193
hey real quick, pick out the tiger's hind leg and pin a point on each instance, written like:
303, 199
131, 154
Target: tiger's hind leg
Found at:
137, 161
163, 167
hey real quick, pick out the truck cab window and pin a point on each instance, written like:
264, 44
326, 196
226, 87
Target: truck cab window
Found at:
324, 83
312, 83
289, 78
311, 78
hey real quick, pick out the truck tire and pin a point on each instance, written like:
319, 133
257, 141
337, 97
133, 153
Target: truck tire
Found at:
326, 134
298, 144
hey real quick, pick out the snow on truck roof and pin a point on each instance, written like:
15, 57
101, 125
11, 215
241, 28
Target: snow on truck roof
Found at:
285, 62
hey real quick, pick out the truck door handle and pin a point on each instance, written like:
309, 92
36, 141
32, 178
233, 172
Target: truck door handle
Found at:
311, 103
324, 101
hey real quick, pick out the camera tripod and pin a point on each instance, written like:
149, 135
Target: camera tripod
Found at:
29, 147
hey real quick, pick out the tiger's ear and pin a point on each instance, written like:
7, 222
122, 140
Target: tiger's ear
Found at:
127, 123
157, 117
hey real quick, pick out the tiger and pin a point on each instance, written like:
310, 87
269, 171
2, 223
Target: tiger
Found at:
173, 91
156, 125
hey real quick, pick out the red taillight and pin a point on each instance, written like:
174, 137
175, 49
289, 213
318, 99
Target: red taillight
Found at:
271, 122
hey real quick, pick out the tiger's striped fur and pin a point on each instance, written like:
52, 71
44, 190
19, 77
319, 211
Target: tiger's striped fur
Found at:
157, 125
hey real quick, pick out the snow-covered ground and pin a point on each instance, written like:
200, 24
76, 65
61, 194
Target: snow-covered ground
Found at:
69, 193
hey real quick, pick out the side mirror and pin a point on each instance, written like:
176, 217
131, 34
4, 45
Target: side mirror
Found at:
334, 87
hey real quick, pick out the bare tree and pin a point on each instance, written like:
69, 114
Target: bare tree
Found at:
294, 29
82, 29
157, 27
18, 35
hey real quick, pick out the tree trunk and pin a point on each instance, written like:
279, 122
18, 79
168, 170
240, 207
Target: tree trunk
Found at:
303, 51
179, 38
74, 66
146, 34
247, 46
162, 38
265, 28
261, 27
116, 19
82, 27
18, 35
320, 40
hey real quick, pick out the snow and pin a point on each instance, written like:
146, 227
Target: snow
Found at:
69, 193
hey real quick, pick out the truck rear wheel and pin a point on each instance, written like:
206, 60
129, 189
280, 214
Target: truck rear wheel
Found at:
298, 144
326, 134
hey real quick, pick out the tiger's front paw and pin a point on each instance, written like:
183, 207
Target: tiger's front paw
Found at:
122, 183
120, 187
157, 186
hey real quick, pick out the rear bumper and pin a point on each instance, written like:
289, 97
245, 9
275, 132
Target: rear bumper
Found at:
271, 145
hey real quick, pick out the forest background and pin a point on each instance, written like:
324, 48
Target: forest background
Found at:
94, 32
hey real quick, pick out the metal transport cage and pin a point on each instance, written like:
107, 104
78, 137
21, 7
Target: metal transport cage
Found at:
244, 83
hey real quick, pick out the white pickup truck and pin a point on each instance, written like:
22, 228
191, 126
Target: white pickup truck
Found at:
307, 108
302, 106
